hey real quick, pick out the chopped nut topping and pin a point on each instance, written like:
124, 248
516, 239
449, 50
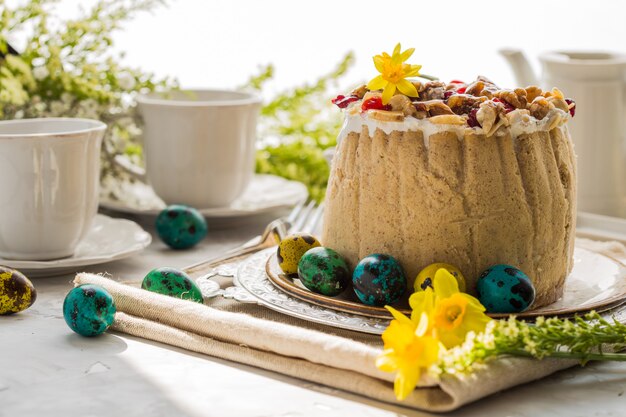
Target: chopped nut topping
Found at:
359, 91
532, 92
402, 103
449, 119
540, 107
464, 103
387, 116
516, 98
479, 104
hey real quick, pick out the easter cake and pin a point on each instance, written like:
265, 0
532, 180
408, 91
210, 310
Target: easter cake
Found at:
463, 173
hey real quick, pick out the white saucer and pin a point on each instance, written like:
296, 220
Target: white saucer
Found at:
108, 240
266, 193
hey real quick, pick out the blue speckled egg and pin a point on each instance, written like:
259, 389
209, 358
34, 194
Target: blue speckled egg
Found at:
89, 310
181, 227
379, 280
505, 289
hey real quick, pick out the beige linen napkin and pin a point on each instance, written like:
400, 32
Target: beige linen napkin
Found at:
256, 336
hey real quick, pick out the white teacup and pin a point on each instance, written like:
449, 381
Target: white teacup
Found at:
49, 179
199, 145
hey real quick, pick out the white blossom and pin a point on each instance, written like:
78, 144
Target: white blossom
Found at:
40, 72
58, 108
126, 81
67, 98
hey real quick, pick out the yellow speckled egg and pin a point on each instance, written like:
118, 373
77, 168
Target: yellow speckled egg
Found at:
291, 249
17, 293
425, 277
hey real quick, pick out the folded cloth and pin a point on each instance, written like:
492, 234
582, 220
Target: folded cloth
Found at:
256, 336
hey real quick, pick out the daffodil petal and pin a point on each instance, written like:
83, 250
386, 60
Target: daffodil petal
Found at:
396, 50
406, 54
444, 284
398, 336
474, 303
407, 88
387, 361
421, 302
422, 326
399, 316
406, 380
388, 92
452, 338
379, 63
430, 353
376, 83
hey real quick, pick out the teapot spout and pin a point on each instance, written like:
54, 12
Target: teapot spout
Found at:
524, 74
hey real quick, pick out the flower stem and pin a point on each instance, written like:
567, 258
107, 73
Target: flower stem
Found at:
620, 357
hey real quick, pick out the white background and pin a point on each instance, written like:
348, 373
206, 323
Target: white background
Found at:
219, 43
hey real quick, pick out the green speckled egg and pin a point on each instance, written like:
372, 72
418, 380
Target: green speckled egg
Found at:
172, 282
425, 277
89, 310
379, 280
291, 249
323, 271
181, 227
17, 293
505, 289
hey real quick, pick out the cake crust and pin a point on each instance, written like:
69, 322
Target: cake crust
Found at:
471, 200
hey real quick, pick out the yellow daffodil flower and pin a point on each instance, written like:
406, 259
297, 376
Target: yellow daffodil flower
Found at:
452, 314
408, 350
393, 74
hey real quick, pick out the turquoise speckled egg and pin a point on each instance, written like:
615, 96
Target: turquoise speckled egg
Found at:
181, 227
324, 271
379, 280
172, 282
505, 289
291, 249
89, 310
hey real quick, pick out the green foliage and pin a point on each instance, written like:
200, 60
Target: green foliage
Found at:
580, 338
296, 127
67, 69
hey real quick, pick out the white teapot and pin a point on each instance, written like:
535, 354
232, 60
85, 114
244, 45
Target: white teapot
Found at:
597, 83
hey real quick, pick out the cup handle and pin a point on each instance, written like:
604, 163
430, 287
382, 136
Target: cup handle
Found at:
135, 171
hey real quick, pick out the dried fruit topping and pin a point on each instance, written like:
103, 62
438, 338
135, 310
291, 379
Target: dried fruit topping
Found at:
374, 103
508, 107
471, 119
457, 82
447, 94
572, 106
343, 101
462, 90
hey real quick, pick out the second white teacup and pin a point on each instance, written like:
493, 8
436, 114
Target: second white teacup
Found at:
199, 145
49, 182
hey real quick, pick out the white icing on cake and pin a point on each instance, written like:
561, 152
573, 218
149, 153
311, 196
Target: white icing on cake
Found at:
519, 123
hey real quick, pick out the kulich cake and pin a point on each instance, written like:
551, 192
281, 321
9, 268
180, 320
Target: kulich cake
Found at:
467, 174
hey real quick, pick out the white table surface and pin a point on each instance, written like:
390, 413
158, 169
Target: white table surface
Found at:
46, 370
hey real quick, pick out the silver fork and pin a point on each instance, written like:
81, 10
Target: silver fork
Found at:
304, 217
